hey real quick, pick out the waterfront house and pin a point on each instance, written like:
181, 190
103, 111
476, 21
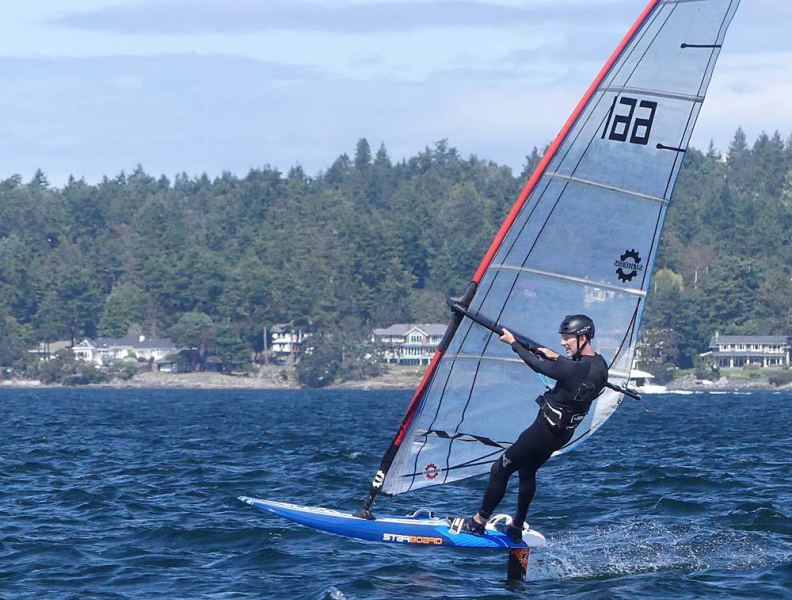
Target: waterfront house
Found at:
409, 343
738, 351
286, 339
173, 363
104, 351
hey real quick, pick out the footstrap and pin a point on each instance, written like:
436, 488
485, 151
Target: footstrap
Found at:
456, 525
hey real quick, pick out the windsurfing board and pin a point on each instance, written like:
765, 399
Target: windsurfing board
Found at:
420, 530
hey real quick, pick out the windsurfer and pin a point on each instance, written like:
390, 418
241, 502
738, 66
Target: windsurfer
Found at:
579, 380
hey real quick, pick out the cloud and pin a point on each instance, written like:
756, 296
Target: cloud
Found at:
247, 16
191, 112
96, 116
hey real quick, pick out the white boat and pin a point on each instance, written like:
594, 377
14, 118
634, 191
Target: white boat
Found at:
641, 381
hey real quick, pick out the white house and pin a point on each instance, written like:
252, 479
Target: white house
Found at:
409, 343
737, 351
286, 339
103, 351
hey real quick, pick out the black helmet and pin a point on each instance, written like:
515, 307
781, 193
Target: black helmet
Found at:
577, 325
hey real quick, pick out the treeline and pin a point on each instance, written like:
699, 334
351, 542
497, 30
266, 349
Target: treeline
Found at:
366, 243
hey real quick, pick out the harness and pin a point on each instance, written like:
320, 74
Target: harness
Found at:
563, 418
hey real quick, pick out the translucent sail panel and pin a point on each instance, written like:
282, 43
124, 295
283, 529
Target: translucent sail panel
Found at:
583, 241
634, 130
459, 438
481, 396
676, 48
537, 303
580, 231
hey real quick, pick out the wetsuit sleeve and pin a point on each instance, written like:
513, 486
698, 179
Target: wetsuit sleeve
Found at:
561, 368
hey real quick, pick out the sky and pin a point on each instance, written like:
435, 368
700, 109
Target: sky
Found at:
92, 88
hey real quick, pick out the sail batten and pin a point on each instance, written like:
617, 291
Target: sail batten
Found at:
649, 92
461, 356
680, 1
582, 237
570, 279
605, 186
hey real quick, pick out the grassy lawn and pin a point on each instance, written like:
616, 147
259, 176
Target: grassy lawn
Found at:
679, 373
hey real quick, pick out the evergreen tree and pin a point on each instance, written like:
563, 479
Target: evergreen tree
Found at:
362, 154
15, 339
124, 307
195, 331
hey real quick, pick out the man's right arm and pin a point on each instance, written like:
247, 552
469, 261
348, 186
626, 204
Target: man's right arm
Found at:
552, 368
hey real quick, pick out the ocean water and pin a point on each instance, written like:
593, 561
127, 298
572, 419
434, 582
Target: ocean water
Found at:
132, 494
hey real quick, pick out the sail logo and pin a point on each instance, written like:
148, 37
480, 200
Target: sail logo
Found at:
628, 265
378, 479
431, 471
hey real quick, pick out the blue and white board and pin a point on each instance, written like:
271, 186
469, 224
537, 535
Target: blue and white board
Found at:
417, 530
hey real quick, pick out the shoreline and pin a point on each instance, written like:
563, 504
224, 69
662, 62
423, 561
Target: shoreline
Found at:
394, 378
268, 378
725, 384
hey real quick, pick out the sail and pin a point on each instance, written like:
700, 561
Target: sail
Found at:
581, 238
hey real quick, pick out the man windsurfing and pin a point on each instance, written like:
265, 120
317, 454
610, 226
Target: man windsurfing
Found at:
579, 380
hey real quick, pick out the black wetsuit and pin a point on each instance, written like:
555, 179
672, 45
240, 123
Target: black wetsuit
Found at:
578, 383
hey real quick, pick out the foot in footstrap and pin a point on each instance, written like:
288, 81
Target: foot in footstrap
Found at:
504, 524
470, 525
510, 531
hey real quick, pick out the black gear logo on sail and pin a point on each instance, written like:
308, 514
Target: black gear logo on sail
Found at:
628, 265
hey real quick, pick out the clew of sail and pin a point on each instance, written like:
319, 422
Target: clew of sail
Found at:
581, 238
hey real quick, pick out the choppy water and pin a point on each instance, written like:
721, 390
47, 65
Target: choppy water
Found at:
132, 494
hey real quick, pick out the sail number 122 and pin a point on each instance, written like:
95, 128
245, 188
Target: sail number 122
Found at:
618, 126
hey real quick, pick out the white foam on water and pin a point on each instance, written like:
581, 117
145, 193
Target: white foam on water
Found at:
646, 546
333, 593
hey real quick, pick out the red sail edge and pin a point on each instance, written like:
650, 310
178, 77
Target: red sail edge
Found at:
416, 396
390, 454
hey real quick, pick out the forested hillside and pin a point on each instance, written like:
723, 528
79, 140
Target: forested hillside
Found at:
725, 260
363, 244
